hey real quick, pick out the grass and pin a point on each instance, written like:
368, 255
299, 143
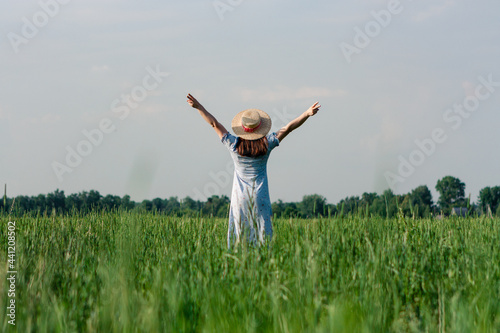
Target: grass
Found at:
130, 272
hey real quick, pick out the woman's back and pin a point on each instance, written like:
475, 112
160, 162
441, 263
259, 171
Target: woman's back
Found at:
250, 210
248, 167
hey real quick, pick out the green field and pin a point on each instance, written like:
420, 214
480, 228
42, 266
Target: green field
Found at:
131, 272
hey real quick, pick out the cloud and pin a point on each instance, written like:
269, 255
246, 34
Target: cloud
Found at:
434, 10
47, 118
156, 93
469, 88
50, 118
152, 108
100, 69
280, 93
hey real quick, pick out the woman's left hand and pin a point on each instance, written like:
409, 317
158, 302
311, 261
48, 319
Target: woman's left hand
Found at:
193, 102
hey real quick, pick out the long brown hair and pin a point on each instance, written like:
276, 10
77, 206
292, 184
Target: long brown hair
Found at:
252, 148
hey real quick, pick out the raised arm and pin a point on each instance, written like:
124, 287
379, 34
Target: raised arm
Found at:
294, 124
219, 129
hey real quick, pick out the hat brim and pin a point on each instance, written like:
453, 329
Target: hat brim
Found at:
264, 128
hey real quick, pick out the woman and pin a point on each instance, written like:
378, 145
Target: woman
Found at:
250, 211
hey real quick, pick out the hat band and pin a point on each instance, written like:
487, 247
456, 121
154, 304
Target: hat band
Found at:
250, 130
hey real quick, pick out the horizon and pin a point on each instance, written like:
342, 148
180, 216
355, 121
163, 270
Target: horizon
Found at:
434, 199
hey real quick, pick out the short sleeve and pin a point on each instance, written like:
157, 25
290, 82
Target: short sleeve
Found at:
229, 141
273, 141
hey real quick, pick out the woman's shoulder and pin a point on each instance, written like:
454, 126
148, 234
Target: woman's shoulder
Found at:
229, 140
273, 140
229, 137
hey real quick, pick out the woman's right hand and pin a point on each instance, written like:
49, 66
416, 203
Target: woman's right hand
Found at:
313, 109
193, 102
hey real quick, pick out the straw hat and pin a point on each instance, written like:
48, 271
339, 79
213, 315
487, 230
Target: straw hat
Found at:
251, 124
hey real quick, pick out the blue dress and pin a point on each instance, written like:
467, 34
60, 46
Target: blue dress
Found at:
250, 211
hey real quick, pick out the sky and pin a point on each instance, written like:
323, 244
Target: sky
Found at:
93, 94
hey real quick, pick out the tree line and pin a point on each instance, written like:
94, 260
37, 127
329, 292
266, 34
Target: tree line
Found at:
417, 203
